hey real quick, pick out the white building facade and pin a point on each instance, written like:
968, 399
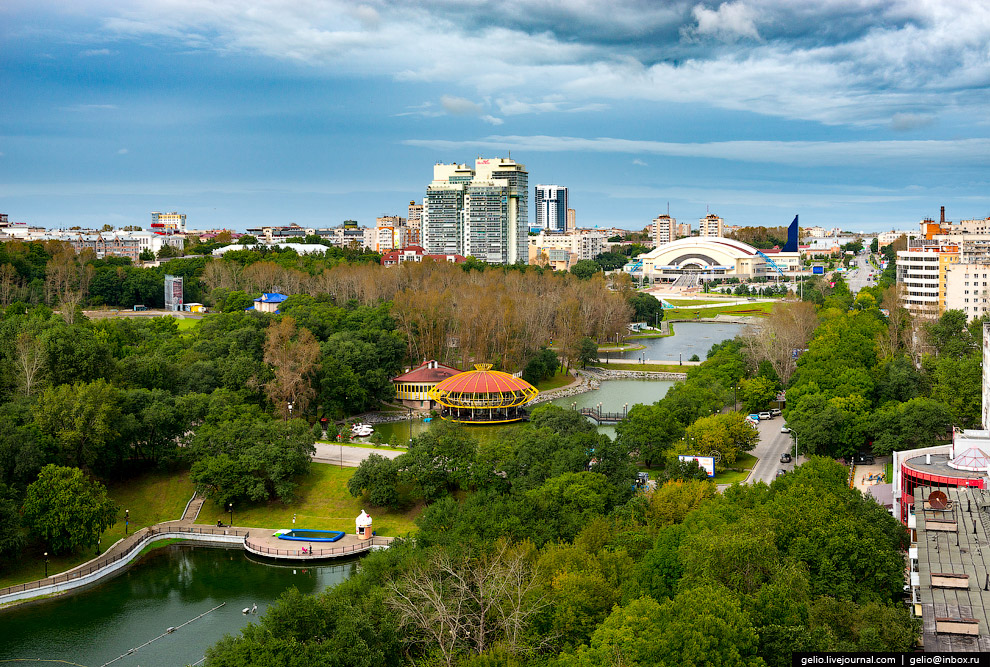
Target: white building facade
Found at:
550, 202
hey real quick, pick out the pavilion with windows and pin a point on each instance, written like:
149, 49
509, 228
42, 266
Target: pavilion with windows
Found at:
483, 396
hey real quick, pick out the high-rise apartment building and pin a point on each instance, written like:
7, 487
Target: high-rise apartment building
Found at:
390, 233
551, 207
683, 230
169, 223
710, 225
571, 219
414, 223
481, 212
664, 230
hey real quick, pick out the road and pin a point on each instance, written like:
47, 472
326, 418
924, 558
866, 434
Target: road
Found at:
349, 456
857, 277
773, 443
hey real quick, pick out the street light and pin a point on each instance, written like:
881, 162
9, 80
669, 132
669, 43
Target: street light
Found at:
230, 508
46, 565
127, 520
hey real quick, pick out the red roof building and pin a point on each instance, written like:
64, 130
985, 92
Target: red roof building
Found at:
415, 253
411, 387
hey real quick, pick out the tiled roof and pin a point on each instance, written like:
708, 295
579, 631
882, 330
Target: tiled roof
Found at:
430, 371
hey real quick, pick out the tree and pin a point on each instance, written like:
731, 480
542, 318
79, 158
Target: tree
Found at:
29, 361
587, 352
776, 338
646, 307
757, 393
915, 423
541, 366
146, 255
585, 268
83, 418
726, 434
292, 354
66, 510
378, 477
650, 430
833, 427
167, 251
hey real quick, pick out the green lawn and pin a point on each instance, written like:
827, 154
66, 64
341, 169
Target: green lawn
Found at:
560, 379
187, 324
323, 503
730, 477
693, 302
660, 368
753, 308
745, 461
151, 499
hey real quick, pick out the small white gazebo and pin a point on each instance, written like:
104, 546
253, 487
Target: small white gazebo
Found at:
363, 523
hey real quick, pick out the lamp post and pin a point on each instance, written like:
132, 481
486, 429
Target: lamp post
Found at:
46, 565
409, 408
127, 520
735, 405
289, 415
625, 410
230, 508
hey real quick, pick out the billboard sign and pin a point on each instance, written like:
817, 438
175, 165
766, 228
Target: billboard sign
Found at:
818, 270
706, 463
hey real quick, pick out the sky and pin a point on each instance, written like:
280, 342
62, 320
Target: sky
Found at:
859, 114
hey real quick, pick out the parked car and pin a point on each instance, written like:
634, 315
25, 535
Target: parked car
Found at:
785, 429
765, 415
781, 472
775, 412
785, 458
864, 458
753, 417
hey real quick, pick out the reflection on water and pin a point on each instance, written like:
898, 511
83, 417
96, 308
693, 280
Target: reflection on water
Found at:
689, 338
165, 589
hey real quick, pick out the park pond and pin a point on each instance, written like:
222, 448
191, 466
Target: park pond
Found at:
689, 338
166, 588
614, 396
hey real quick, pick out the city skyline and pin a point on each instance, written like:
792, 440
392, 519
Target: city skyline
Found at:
855, 115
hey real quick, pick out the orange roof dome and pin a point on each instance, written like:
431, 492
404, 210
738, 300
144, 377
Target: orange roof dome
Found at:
488, 395
483, 380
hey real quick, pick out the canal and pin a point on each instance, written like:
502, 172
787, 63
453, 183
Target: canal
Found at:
166, 588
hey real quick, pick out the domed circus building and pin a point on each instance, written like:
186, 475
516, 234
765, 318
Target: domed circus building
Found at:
483, 396
708, 258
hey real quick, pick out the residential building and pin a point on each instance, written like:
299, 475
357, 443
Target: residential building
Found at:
269, 302
966, 289
482, 212
390, 233
550, 202
711, 225
664, 230
168, 223
921, 270
414, 224
571, 219
683, 229
886, 238
416, 254
562, 251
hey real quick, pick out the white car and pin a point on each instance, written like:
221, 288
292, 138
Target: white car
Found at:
785, 429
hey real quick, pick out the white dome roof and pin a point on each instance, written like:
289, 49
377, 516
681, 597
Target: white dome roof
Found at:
973, 459
363, 520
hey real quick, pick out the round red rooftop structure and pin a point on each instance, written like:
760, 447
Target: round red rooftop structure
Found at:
483, 396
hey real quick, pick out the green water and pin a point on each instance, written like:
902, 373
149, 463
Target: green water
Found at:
165, 589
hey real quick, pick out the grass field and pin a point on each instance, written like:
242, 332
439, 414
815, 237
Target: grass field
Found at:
560, 379
151, 499
659, 368
323, 503
693, 302
187, 324
749, 309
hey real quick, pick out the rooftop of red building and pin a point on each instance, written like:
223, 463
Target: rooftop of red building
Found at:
428, 371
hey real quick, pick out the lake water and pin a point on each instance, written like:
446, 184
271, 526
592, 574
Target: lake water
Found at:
689, 338
164, 589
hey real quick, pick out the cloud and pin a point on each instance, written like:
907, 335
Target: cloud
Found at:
123, 151
728, 23
798, 153
492, 120
640, 163
97, 52
903, 122
839, 62
460, 106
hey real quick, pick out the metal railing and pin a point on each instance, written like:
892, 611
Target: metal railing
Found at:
99, 563
318, 553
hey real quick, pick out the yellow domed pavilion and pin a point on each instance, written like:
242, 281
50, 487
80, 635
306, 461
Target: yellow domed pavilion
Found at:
483, 396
